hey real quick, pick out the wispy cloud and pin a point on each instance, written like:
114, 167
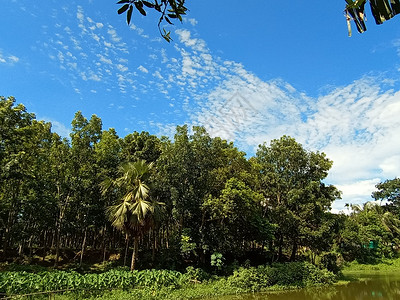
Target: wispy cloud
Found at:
91, 51
143, 69
355, 125
57, 127
8, 59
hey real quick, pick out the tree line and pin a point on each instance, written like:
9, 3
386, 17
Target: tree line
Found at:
172, 202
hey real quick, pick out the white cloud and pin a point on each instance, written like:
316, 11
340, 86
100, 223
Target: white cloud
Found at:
89, 51
8, 59
79, 14
143, 69
122, 68
355, 125
57, 127
194, 43
104, 59
359, 188
95, 77
113, 34
192, 21
13, 58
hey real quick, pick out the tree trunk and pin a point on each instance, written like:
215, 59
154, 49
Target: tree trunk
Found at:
20, 248
83, 247
59, 226
57, 240
7, 232
135, 252
44, 245
280, 252
104, 243
126, 248
153, 254
294, 250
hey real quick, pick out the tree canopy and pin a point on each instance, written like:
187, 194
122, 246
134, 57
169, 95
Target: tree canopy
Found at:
96, 193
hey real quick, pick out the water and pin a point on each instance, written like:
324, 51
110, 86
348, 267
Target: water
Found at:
368, 287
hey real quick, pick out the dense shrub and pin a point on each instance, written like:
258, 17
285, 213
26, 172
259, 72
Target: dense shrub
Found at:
195, 275
290, 274
329, 262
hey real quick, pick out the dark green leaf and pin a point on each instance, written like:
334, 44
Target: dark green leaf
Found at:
148, 4
172, 16
167, 36
168, 20
129, 14
123, 9
123, 1
139, 7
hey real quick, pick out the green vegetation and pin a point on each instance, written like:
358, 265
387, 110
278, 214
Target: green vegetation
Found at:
385, 265
165, 284
185, 203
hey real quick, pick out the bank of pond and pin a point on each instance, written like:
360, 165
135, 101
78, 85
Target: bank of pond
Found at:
295, 281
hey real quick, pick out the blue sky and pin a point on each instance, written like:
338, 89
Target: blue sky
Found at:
248, 73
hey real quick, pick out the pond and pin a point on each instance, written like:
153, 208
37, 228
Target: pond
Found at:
372, 286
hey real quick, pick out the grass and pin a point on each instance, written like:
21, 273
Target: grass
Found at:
384, 265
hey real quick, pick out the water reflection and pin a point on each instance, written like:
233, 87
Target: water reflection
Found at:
368, 287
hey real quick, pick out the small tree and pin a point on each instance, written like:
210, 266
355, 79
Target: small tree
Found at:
134, 212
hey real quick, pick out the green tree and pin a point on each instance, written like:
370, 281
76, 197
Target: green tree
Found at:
108, 158
296, 198
137, 146
24, 185
85, 185
389, 190
61, 178
133, 213
234, 219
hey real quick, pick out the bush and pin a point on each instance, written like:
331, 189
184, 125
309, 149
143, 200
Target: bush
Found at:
196, 275
251, 279
290, 274
329, 262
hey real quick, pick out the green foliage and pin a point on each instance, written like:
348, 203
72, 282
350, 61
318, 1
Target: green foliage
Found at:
329, 262
196, 274
295, 197
162, 283
384, 264
13, 283
298, 274
219, 206
169, 9
217, 260
370, 224
187, 246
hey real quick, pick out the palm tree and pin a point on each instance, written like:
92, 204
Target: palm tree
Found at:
134, 213
389, 222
